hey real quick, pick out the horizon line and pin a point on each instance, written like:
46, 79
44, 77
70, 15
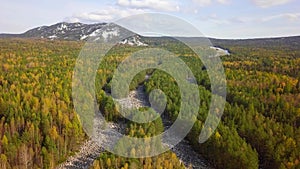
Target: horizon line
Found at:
155, 35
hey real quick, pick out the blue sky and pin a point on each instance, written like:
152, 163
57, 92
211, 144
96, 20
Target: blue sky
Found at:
214, 18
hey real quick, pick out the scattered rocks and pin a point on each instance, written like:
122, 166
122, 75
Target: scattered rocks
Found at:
90, 150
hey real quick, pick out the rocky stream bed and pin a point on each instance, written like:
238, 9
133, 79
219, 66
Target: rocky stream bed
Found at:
90, 150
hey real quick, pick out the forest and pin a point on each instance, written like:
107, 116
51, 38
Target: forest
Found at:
260, 127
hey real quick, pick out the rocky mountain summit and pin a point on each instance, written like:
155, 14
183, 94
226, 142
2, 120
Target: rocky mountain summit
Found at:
81, 32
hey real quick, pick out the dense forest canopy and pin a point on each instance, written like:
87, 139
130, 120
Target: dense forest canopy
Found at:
260, 127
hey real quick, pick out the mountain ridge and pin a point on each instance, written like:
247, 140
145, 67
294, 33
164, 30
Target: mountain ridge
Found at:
79, 32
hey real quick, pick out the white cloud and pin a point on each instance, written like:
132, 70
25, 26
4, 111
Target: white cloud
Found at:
215, 19
162, 5
242, 20
224, 1
286, 16
279, 18
269, 3
209, 2
203, 2
72, 19
105, 15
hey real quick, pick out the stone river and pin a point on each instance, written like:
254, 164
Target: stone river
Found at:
89, 151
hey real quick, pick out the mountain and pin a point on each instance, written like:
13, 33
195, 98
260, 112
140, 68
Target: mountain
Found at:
67, 31
63, 30
79, 32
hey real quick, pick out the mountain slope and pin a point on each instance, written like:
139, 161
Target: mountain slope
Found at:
78, 32
66, 31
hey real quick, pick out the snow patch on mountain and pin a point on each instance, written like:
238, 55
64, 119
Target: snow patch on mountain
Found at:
220, 51
83, 37
62, 27
110, 33
132, 41
52, 37
95, 33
